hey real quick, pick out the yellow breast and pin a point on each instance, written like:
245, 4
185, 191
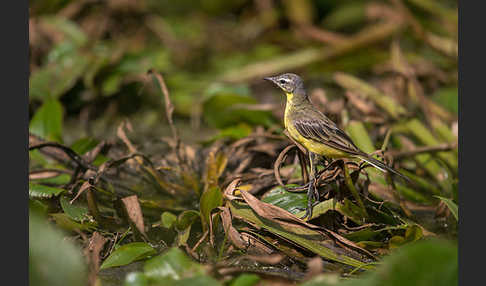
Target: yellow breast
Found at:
311, 145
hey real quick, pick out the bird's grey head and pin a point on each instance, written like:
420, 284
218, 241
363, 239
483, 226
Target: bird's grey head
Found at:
288, 82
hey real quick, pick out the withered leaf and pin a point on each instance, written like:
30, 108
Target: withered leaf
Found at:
134, 212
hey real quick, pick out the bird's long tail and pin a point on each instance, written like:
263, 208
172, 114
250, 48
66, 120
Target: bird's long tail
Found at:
382, 166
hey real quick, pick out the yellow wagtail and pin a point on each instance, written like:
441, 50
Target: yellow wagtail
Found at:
317, 133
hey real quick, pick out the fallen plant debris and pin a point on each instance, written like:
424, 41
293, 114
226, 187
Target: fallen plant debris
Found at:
194, 180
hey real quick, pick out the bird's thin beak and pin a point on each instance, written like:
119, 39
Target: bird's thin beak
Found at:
269, 78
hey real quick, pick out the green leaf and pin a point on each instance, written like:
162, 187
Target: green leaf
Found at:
245, 279
65, 222
84, 145
75, 211
65, 66
210, 199
47, 121
173, 264
127, 254
413, 233
451, 205
428, 262
183, 225
41, 191
229, 109
448, 98
186, 219
239, 131
49, 250
168, 219
431, 262
290, 201
199, 280
358, 132
38, 207
136, 279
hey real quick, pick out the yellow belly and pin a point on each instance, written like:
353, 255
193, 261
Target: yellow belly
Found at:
311, 145
314, 146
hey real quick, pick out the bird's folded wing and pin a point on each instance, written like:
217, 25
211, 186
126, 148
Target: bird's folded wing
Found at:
326, 132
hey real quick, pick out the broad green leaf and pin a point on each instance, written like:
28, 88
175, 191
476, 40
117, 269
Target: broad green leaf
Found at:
451, 205
432, 262
47, 121
36, 158
428, 262
65, 66
53, 260
245, 279
168, 219
100, 159
127, 254
172, 264
174, 267
38, 207
136, 279
210, 200
41, 191
84, 145
75, 211
198, 280
292, 202
65, 222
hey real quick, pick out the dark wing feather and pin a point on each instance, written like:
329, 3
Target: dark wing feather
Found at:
323, 130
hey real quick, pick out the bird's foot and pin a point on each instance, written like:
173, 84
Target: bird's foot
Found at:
311, 194
298, 188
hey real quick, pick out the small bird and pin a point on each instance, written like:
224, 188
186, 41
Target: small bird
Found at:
317, 133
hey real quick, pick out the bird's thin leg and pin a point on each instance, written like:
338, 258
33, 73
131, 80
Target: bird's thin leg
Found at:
311, 191
298, 188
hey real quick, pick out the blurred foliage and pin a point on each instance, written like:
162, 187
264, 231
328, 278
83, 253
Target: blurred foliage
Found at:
384, 71
48, 250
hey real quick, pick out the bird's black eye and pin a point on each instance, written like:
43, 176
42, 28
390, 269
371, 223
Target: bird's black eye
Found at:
282, 81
